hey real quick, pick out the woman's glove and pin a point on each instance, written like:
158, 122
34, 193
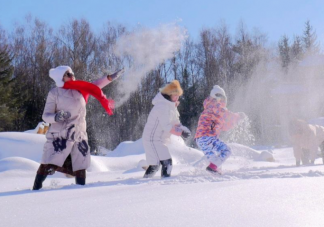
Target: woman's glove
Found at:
62, 116
115, 75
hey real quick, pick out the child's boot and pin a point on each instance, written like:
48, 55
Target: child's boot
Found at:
151, 170
212, 168
166, 168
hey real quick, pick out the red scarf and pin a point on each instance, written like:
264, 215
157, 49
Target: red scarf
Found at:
86, 89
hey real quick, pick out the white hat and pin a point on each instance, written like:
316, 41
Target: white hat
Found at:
217, 90
57, 74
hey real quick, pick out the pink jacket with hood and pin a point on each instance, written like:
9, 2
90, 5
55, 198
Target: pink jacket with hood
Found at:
215, 118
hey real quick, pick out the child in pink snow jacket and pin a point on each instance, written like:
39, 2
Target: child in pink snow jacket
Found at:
213, 120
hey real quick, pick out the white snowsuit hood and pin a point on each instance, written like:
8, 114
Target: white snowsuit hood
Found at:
160, 100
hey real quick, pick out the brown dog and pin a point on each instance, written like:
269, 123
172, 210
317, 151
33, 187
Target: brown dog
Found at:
306, 139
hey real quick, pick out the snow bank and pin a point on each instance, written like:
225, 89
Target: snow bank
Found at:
181, 154
125, 163
18, 163
247, 152
127, 148
128, 156
19, 144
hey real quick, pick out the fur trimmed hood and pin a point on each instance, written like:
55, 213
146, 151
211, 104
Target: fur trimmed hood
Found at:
172, 88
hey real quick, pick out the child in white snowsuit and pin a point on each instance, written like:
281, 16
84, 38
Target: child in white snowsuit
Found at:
213, 120
306, 139
162, 121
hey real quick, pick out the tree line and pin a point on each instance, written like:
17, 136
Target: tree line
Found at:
29, 50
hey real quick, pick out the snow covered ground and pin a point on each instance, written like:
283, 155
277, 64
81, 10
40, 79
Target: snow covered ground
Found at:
251, 192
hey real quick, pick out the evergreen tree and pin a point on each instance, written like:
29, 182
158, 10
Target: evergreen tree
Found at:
296, 49
248, 50
185, 100
284, 51
191, 104
7, 102
310, 39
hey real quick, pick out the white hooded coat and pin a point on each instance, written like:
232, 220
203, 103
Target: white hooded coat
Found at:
163, 116
73, 130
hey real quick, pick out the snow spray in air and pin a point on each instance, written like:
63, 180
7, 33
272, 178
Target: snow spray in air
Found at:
272, 97
147, 48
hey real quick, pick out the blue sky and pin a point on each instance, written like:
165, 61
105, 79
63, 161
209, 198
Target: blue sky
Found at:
273, 17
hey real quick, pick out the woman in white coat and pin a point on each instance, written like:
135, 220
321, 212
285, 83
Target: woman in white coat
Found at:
162, 121
66, 149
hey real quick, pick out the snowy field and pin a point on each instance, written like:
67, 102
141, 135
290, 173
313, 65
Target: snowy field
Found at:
251, 192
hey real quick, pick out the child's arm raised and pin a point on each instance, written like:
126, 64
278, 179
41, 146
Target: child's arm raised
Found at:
231, 119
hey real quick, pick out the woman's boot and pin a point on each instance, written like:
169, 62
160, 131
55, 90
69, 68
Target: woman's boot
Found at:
42, 172
39, 179
80, 177
80, 180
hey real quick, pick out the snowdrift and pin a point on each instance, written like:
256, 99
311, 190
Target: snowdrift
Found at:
181, 154
18, 163
249, 153
27, 148
19, 144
